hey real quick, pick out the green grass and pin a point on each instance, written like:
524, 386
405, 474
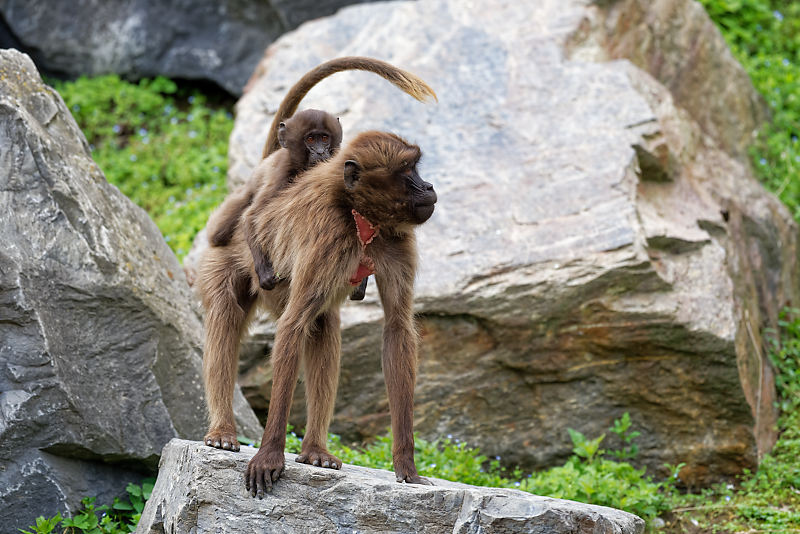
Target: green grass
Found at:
765, 37
163, 147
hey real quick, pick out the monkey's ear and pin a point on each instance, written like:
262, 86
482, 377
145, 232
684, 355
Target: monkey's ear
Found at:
351, 173
282, 134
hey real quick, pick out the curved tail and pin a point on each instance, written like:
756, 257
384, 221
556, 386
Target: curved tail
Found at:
405, 81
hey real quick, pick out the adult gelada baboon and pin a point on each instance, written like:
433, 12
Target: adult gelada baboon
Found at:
296, 144
338, 222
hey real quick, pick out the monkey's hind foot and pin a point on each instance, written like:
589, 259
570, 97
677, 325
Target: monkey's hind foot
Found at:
267, 278
320, 458
406, 472
268, 283
222, 439
360, 292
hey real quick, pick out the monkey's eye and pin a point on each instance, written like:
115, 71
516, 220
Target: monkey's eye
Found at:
324, 138
310, 139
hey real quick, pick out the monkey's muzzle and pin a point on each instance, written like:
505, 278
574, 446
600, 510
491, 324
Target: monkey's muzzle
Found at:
422, 206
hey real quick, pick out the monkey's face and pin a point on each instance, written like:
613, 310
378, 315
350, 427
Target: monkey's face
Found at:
391, 193
318, 146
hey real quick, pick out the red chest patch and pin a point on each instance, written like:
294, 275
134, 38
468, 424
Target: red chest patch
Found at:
366, 233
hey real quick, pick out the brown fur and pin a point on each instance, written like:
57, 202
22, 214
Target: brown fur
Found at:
293, 158
309, 231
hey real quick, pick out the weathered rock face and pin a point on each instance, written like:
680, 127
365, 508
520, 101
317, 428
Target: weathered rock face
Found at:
200, 489
100, 339
599, 245
207, 40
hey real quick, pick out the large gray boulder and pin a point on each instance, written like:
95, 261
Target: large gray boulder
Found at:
600, 244
100, 339
214, 40
200, 489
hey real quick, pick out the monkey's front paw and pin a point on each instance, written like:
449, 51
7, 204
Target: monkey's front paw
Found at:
222, 439
319, 458
264, 469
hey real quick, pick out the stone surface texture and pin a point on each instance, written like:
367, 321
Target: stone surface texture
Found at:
100, 338
600, 244
200, 489
219, 41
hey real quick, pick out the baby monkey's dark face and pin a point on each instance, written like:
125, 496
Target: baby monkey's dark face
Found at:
310, 136
318, 145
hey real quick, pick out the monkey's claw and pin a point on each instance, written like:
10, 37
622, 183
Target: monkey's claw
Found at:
221, 439
319, 458
264, 469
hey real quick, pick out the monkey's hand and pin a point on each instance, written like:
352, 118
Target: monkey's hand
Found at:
406, 472
319, 457
222, 439
264, 469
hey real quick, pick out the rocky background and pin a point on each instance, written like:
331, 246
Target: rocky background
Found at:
100, 335
600, 245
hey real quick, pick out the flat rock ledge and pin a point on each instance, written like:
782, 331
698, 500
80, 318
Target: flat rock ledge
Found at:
200, 489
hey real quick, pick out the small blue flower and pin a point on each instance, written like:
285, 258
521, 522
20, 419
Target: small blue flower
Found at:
213, 187
785, 62
497, 457
173, 120
778, 15
449, 436
171, 198
215, 168
762, 161
516, 484
146, 140
142, 131
190, 117
76, 108
191, 99
133, 157
116, 128
192, 134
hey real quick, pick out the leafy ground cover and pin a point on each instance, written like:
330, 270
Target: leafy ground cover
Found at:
765, 37
164, 147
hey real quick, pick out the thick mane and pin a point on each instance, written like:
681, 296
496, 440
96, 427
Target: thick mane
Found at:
382, 150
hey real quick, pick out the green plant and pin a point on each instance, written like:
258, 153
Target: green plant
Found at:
43, 526
120, 518
163, 147
764, 35
769, 499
